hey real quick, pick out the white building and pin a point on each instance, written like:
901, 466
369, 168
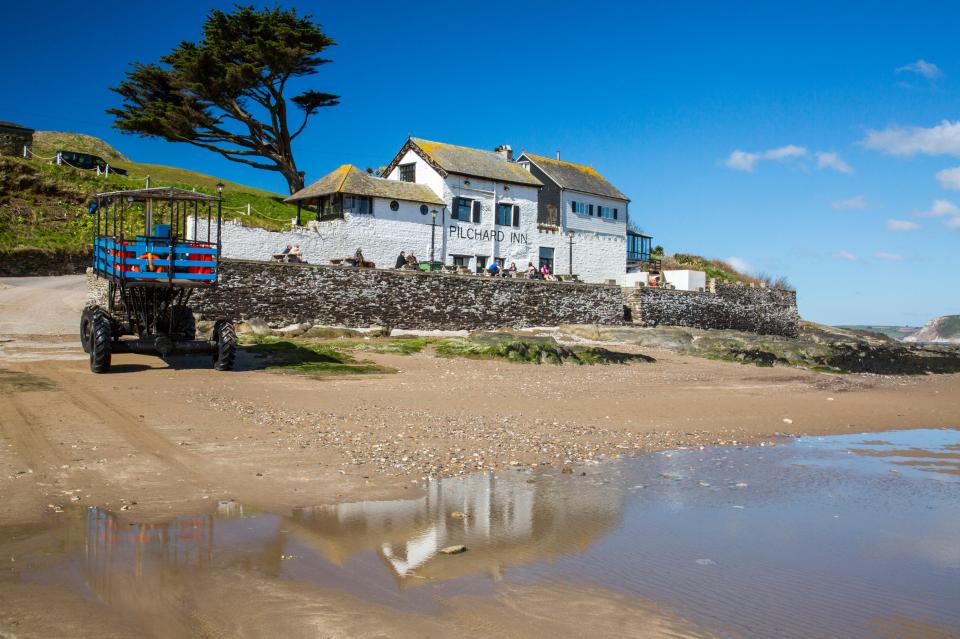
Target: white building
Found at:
464, 207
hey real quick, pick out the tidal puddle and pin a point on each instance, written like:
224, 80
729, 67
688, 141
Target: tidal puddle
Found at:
848, 536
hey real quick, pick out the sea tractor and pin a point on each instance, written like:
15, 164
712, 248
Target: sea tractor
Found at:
152, 265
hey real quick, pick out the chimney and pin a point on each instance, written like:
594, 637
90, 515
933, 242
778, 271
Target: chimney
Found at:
505, 151
558, 155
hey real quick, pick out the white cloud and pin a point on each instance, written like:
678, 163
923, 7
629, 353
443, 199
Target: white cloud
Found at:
940, 208
787, 152
902, 225
855, 202
949, 178
952, 223
740, 264
921, 67
832, 161
942, 139
846, 256
742, 161
747, 160
890, 257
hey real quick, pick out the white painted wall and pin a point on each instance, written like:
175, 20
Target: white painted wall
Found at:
686, 280
596, 258
381, 236
636, 278
593, 224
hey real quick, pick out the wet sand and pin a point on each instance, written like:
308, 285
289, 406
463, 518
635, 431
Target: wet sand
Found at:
151, 441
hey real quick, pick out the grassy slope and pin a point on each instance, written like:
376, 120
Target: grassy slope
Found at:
43, 205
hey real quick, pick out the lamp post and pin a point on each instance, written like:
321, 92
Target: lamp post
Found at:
570, 235
433, 229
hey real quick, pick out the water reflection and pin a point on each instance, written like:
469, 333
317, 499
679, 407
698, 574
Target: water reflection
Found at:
506, 520
501, 519
814, 538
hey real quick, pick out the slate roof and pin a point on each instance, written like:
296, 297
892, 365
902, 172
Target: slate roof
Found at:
351, 180
576, 177
463, 160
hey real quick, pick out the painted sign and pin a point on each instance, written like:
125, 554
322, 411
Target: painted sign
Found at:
485, 235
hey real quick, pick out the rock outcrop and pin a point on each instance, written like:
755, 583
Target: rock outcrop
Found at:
942, 330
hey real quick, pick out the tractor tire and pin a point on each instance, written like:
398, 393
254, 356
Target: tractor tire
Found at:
86, 328
100, 346
184, 323
226, 349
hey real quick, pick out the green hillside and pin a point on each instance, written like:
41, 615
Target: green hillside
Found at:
43, 205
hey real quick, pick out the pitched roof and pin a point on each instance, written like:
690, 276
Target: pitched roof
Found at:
462, 160
13, 125
576, 177
349, 179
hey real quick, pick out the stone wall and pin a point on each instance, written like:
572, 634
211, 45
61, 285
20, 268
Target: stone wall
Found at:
20, 262
744, 308
284, 294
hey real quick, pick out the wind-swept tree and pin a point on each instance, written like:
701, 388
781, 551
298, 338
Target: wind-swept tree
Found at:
226, 92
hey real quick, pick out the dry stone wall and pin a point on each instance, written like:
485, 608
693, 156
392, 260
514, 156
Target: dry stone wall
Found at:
284, 294
743, 308
29, 261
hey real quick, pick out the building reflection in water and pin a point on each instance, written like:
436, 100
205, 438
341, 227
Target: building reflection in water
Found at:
507, 520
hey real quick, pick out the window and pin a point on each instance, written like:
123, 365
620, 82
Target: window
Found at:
638, 247
606, 212
481, 263
424, 209
408, 172
461, 260
328, 208
358, 205
581, 207
504, 214
394, 206
546, 257
461, 209
466, 210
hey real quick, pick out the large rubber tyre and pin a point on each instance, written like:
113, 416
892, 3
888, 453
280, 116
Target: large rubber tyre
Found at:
100, 346
86, 328
226, 349
184, 323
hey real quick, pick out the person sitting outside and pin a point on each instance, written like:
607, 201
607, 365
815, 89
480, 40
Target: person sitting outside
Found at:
401, 260
494, 269
295, 255
512, 271
412, 260
358, 257
545, 273
531, 273
287, 250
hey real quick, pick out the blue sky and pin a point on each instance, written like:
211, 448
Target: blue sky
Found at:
802, 139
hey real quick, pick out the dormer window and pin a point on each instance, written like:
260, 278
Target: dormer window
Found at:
408, 172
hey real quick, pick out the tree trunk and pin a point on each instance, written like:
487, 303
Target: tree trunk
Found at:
289, 171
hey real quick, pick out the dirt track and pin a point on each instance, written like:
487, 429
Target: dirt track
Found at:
149, 440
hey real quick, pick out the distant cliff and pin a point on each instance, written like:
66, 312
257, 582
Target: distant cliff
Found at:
942, 330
